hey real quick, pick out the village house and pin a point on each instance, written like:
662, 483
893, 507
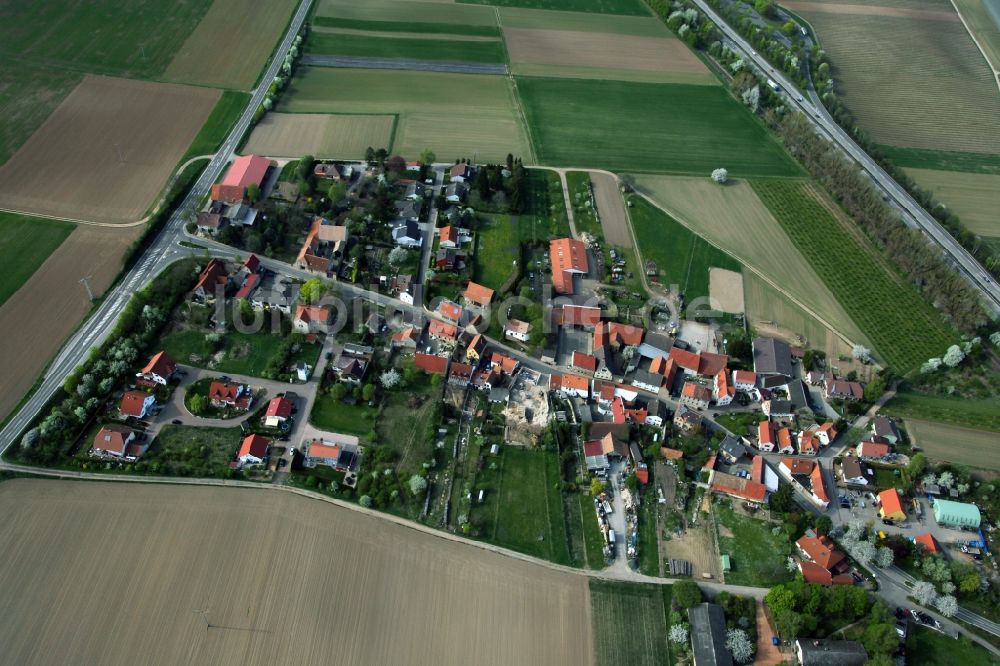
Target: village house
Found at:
842, 389
686, 420
873, 450
927, 543
766, 436
439, 330
245, 170
117, 441
453, 237
809, 444
341, 455
407, 210
822, 563
695, 396
212, 281
732, 450
407, 234
462, 173
570, 385
885, 428
450, 310
311, 319
406, 339
785, 440
460, 374
890, 505
584, 362
744, 380
855, 472
278, 411
160, 370
325, 244
274, 293
477, 294
455, 192
516, 329
476, 348
229, 394
739, 487
568, 258
772, 357
777, 409
826, 433
701, 364
587, 317
253, 449
722, 391
137, 404
431, 364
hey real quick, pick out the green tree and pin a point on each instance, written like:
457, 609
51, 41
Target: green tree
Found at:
596, 487
781, 500
917, 466
312, 290
686, 594
880, 639
369, 154
338, 391
788, 624
304, 169
764, 7
970, 584
253, 192
197, 404
427, 156
823, 524
368, 392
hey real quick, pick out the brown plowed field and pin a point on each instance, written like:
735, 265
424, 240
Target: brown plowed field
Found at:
611, 208
871, 10
72, 165
601, 51
40, 315
726, 289
321, 135
124, 574
231, 43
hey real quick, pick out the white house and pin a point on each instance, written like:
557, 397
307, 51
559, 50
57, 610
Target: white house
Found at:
253, 449
722, 391
744, 380
159, 370
407, 234
517, 330
649, 381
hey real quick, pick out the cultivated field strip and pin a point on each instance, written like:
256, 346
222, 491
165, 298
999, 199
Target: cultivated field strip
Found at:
407, 12
106, 151
961, 446
538, 19
926, 86
974, 197
318, 134
114, 573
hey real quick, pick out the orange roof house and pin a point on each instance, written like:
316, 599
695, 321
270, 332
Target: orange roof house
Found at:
873, 449
585, 362
253, 448
136, 403
819, 485
113, 439
230, 194
160, 369
817, 575
433, 365
766, 436
820, 549
212, 276
569, 258
586, 316
450, 310
891, 505
928, 542
616, 334
739, 487
478, 294
439, 329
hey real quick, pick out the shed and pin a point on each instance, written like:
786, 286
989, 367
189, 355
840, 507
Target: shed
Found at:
726, 564
956, 514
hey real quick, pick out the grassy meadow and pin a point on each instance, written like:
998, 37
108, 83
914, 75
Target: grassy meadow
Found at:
974, 197
943, 160
982, 414
668, 128
411, 27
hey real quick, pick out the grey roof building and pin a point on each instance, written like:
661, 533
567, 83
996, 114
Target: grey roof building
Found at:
708, 635
772, 357
814, 652
732, 448
797, 395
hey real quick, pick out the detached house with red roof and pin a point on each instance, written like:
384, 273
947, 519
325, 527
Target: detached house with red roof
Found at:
253, 450
767, 436
432, 365
722, 391
822, 563
278, 411
890, 505
159, 370
212, 281
515, 329
477, 294
136, 404
570, 385
569, 258
117, 441
450, 310
873, 450
744, 380
584, 362
695, 396
311, 319
228, 394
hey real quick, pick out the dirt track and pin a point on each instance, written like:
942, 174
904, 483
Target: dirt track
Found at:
106, 151
611, 208
108, 573
52, 303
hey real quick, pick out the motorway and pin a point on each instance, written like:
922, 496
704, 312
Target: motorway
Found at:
159, 255
912, 212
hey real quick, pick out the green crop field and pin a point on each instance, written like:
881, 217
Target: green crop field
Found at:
363, 46
628, 7
407, 12
974, 197
925, 86
943, 160
225, 114
630, 623
455, 115
904, 328
537, 19
982, 414
682, 257
523, 506
26, 242
984, 24
28, 95
407, 26
134, 39
668, 128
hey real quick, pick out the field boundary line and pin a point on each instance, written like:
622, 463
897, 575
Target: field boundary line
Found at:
756, 271
989, 63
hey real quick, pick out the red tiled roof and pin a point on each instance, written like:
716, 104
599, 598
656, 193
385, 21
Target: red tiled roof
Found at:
817, 575
248, 286
617, 411
568, 256
435, 365
448, 233
819, 484
478, 294
409, 333
161, 364
585, 361
820, 550
252, 263
593, 448
111, 438
318, 449
739, 487
696, 391
575, 382
212, 275
224, 391
581, 315
757, 469
685, 359
796, 465
245, 170
873, 449
765, 433
671, 454
132, 402
254, 445
928, 542
311, 313
279, 407
620, 334
784, 439
711, 364
891, 501
230, 194
744, 377
449, 310
461, 370
440, 329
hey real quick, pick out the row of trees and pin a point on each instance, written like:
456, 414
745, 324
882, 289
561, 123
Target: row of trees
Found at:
921, 264
107, 366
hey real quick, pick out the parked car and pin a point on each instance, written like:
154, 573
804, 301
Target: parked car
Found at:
177, 422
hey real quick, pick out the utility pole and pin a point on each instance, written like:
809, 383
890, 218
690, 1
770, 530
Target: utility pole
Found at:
86, 283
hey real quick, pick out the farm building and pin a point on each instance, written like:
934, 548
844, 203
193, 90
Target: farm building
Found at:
956, 514
814, 652
569, 258
246, 170
708, 635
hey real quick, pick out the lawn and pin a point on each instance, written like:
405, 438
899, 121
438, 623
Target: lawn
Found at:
498, 245
407, 26
971, 413
405, 426
626, 7
335, 416
648, 544
943, 160
193, 451
668, 128
25, 243
132, 39
225, 114
584, 215
926, 647
757, 555
545, 217
367, 45
245, 354
682, 257
525, 503
630, 623
586, 540
904, 328
455, 115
